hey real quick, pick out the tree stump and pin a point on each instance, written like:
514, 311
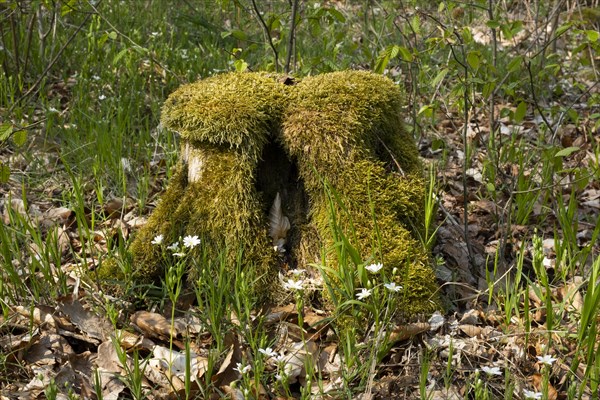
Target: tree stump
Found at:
326, 146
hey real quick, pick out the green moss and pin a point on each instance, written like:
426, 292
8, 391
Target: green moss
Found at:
346, 127
240, 110
246, 137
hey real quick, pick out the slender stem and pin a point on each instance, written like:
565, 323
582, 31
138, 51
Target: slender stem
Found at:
292, 40
535, 100
267, 34
28, 46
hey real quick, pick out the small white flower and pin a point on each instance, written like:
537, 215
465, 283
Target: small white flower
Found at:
95, 77
532, 395
126, 164
173, 247
158, 239
269, 352
364, 293
392, 287
101, 97
191, 241
278, 377
298, 272
293, 285
280, 358
374, 268
242, 370
547, 359
179, 254
492, 370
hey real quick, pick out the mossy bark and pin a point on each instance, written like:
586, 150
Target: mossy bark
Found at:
248, 136
347, 129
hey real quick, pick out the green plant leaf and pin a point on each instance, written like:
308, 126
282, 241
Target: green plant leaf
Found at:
439, 77
488, 89
592, 36
563, 28
473, 60
20, 137
493, 24
6, 130
4, 173
406, 54
336, 14
567, 151
236, 33
240, 65
426, 110
383, 59
515, 64
520, 112
119, 56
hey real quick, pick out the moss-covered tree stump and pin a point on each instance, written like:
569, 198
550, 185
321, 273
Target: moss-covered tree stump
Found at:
252, 139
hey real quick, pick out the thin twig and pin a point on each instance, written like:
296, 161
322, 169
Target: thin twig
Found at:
267, 34
535, 101
391, 155
292, 40
28, 45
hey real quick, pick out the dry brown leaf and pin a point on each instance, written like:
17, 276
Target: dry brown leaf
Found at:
294, 361
279, 224
90, 324
538, 383
226, 373
59, 215
129, 341
471, 317
108, 359
153, 324
39, 315
279, 314
51, 350
407, 331
470, 330
14, 345
571, 295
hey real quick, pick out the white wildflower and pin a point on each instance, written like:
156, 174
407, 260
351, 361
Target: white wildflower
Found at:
532, 395
392, 287
364, 293
242, 370
293, 285
269, 352
191, 241
280, 358
179, 255
173, 247
547, 359
492, 370
158, 239
374, 268
101, 97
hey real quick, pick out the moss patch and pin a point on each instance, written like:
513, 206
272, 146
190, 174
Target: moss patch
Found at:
347, 129
248, 136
